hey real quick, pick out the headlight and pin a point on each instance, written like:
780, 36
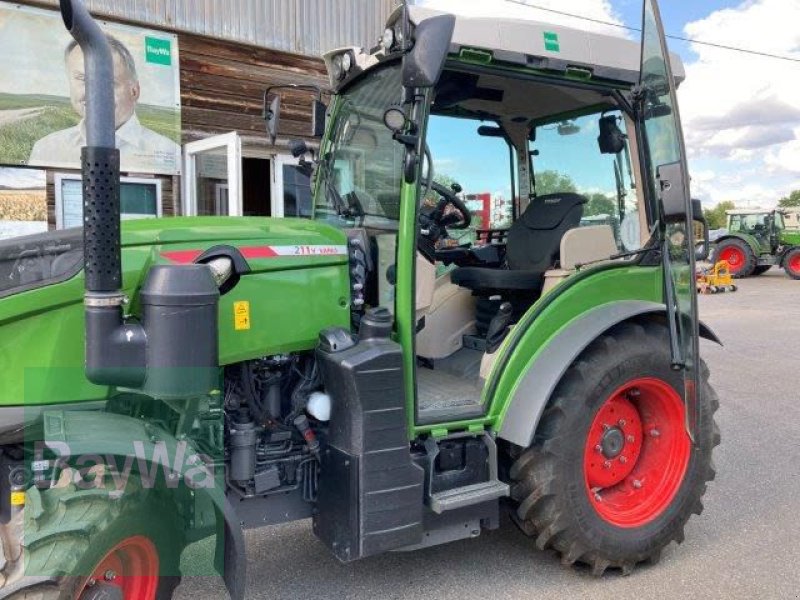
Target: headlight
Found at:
338, 67
347, 62
387, 41
398, 33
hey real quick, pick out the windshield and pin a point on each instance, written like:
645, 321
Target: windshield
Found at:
362, 169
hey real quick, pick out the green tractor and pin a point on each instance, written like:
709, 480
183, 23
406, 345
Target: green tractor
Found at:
756, 241
166, 382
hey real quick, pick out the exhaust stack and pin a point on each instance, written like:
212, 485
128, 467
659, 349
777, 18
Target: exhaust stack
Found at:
115, 352
173, 352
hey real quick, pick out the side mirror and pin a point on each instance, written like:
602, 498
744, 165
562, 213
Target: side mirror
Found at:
298, 148
319, 110
272, 115
424, 64
702, 247
671, 189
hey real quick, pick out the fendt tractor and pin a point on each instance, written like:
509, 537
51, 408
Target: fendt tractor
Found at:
757, 240
174, 380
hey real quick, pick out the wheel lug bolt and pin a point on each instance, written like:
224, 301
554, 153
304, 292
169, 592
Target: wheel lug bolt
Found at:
599, 448
623, 459
606, 426
655, 432
634, 393
598, 497
631, 439
110, 575
92, 582
622, 422
637, 484
607, 464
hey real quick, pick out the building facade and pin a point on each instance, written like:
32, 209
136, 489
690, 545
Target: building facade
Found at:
195, 141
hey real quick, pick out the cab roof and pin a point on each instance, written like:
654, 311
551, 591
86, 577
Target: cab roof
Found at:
546, 46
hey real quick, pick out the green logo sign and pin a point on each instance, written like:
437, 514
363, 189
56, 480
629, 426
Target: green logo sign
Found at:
158, 51
551, 43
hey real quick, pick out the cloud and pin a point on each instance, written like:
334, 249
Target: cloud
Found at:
593, 9
21, 179
742, 111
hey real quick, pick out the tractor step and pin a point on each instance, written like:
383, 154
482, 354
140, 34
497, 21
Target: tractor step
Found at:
469, 495
463, 496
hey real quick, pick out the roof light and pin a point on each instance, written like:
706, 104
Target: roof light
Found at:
337, 67
387, 41
347, 62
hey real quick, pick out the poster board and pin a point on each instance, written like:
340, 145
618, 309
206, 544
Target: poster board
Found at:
42, 94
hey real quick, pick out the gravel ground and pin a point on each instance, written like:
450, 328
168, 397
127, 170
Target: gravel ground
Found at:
745, 545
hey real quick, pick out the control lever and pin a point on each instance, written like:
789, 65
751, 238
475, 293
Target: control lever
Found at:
498, 328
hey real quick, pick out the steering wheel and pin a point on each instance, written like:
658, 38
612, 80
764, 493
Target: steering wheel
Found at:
449, 198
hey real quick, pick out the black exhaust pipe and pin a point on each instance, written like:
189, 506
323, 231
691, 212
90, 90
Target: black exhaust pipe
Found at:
174, 353
115, 351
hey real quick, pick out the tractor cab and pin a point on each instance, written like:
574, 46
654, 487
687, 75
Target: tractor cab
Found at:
519, 166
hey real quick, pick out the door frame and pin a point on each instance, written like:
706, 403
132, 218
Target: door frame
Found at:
232, 143
277, 201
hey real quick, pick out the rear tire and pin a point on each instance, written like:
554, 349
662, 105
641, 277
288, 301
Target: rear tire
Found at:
73, 535
761, 270
559, 500
791, 263
738, 255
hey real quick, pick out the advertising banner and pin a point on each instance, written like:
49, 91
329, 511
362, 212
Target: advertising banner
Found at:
42, 94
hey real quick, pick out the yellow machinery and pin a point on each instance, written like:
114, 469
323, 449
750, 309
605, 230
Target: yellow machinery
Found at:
716, 279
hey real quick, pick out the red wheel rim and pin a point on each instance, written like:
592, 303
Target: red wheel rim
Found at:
734, 257
794, 263
637, 453
132, 566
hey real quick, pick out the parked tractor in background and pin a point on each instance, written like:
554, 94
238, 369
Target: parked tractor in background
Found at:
755, 241
168, 381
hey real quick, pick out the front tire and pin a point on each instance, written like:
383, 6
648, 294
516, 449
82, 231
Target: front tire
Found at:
74, 538
791, 263
612, 477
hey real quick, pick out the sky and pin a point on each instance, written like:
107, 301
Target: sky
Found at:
741, 113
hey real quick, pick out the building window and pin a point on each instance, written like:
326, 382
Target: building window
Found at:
139, 199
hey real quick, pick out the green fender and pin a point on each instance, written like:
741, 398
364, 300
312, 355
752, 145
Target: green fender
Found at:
86, 436
557, 330
747, 239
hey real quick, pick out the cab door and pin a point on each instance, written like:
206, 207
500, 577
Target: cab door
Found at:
669, 181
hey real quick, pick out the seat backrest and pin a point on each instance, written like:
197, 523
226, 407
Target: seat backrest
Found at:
534, 240
587, 245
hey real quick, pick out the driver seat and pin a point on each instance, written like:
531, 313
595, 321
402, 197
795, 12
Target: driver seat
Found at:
533, 248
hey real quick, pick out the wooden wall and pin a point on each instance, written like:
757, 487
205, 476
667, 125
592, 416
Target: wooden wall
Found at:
223, 84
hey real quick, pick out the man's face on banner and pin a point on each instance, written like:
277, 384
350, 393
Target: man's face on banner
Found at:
126, 88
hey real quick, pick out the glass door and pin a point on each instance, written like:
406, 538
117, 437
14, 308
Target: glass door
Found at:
212, 178
669, 176
291, 189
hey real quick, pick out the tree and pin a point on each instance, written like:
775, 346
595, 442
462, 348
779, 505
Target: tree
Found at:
600, 204
790, 201
553, 182
716, 217
442, 179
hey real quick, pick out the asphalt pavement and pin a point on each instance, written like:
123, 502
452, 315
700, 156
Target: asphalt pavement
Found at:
745, 545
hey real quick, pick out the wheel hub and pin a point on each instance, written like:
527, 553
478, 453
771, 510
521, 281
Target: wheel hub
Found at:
613, 442
637, 453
